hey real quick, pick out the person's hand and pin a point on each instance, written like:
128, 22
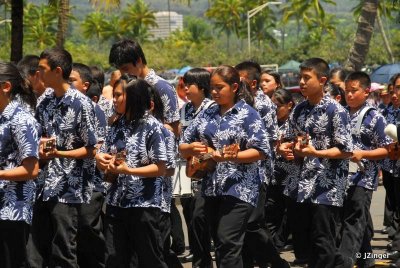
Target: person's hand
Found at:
197, 148
356, 156
304, 150
120, 167
103, 160
47, 148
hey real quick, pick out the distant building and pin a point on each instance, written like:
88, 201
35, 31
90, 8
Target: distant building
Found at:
165, 20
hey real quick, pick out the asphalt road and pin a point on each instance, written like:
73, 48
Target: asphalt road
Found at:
379, 241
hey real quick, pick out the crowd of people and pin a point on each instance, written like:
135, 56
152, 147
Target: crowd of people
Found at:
87, 169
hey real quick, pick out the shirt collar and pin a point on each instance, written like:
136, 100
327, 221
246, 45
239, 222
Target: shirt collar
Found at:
68, 97
9, 110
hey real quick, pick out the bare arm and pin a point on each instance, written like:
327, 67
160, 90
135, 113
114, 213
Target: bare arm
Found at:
27, 171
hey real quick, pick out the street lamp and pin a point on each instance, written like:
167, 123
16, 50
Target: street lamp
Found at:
253, 12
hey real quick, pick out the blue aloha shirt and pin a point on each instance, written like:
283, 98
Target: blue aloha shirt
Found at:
71, 119
145, 145
168, 96
101, 127
267, 110
170, 142
391, 166
19, 139
285, 171
372, 136
48, 91
243, 125
107, 106
189, 112
322, 180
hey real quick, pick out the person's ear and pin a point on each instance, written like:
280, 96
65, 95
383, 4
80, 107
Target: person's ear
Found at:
338, 98
235, 87
86, 86
59, 71
323, 80
95, 99
6, 87
253, 84
151, 105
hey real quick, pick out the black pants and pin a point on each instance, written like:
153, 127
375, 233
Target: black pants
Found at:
54, 235
170, 257
187, 212
300, 229
275, 214
355, 228
91, 244
258, 245
13, 244
200, 233
390, 199
178, 238
314, 229
227, 217
133, 233
396, 216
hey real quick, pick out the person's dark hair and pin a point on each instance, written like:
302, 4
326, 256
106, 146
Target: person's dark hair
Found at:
335, 91
393, 79
340, 72
28, 65
98, 75
126, 51
252, 68
361, 77
275, 75
158, 109
58, 57
10, 73
94, 90
231, 76
283, 96
84, 72
318, 65
138, 99
200, 77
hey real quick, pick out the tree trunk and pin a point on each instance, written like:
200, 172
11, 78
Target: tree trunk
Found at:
17, 30
384, 37
365, 28
63, 13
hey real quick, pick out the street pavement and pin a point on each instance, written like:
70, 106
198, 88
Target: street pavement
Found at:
379, 241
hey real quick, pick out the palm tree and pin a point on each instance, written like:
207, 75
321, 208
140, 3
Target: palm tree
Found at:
137, 18
385, 9
366, 21
308, 11
64, 14
93, 25
40, 25
227, 16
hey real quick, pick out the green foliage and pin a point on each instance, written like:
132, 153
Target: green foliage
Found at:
40, 25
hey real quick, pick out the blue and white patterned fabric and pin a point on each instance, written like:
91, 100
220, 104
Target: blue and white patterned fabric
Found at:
267, 110
285, 171
168, 96
322, 180
242, 125
19, 139
371, 136
392, 166
190, 113
24, 105
145, 145
101, 132
170, 142
71, 119
107, 106
48, 91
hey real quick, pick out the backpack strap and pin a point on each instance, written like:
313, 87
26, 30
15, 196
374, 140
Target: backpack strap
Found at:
360, 119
